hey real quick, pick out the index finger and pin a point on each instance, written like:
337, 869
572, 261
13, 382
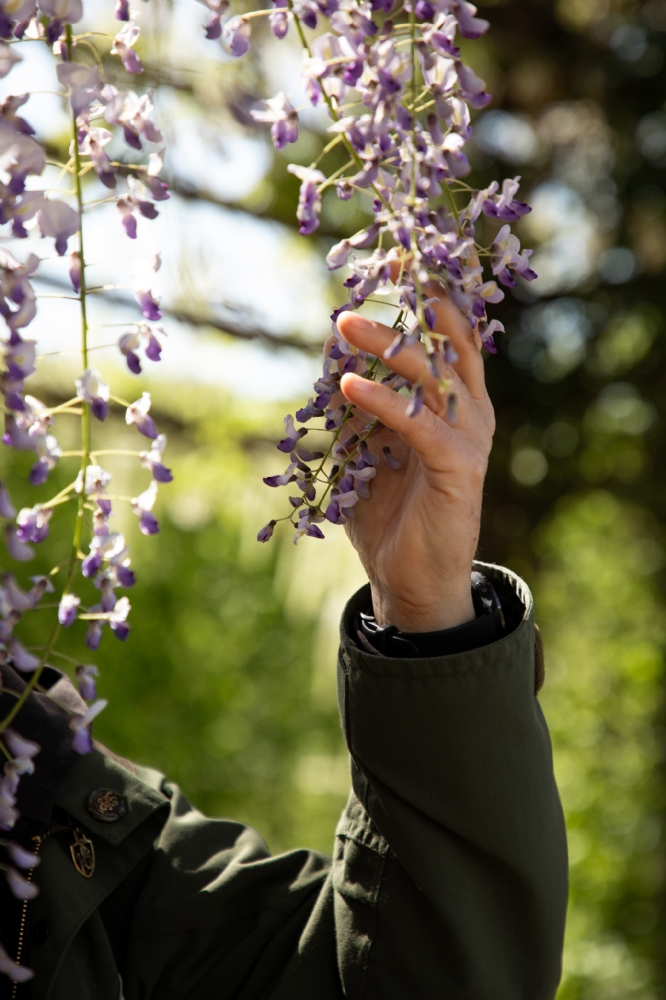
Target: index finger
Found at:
450, 322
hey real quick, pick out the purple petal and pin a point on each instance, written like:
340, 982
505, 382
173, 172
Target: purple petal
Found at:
126, 577
121, 630
82, 742
100, 408
153, 348
213, 28
148, 523
90, 566
416, 404
333, 512
160, 473
129, 223
17, 550
86, 678
19, 886
391, 460
266, 532
6, 506
130, 60
93, 635
133, 362
146, 426
21, 857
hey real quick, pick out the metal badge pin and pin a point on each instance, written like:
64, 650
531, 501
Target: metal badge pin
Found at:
83, 853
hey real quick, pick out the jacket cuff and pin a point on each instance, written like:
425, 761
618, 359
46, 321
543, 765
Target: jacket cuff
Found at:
517, 605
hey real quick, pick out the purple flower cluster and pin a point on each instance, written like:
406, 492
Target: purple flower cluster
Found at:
399, 95
85, 585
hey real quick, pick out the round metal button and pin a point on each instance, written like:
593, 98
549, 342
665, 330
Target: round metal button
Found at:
106, 805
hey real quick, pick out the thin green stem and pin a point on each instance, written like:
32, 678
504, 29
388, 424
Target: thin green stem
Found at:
114, 451
85, 436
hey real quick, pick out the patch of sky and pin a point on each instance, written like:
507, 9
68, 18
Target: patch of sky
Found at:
214, 260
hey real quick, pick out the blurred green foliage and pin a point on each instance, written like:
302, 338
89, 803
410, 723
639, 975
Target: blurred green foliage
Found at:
215, 684
604, 632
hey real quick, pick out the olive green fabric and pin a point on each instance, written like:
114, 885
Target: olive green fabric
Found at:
448, 877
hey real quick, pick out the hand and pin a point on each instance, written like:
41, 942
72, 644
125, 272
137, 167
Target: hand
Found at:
417, 534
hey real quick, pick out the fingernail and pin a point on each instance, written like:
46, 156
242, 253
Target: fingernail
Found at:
363, 385
360, 322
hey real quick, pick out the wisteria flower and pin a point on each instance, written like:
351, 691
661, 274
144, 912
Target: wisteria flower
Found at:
58, 220
309, 200
17, 549
7, 509
32, 523
506, 256
266, 532
152, 460
84, 82
67, 609
129, 343
159, 190
282, 117
109, 548
20, 857
65, 11
9, 967
139, 413
123, 44
23, 751
292, 437
96, 481
8, 58
23, 660
19, 886
236, 35
14, 15
143, 507
144, 275
48, 451
93, 390
86, 674
93, 144
82, 741
20, 156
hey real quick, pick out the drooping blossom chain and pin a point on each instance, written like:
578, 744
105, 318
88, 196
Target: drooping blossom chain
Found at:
398, 94
87, 584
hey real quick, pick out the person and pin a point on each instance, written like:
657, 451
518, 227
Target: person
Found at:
448, 879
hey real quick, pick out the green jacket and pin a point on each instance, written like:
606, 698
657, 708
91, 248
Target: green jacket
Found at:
448, 879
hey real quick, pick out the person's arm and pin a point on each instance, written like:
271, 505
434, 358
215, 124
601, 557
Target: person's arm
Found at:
449, 872
452, 765
451, 868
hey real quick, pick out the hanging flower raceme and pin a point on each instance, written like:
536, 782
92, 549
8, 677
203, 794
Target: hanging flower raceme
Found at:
97, 563
399, 96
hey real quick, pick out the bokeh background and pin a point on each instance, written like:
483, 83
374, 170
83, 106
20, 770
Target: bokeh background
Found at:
227, 681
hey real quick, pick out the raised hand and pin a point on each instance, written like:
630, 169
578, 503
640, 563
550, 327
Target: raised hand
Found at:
417, 534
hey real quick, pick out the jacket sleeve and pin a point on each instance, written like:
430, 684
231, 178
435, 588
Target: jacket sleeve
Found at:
448, 878
457, 814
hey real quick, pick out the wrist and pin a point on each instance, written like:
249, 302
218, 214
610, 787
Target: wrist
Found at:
425, 612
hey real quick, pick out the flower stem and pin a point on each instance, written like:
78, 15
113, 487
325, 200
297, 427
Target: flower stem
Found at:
85, 437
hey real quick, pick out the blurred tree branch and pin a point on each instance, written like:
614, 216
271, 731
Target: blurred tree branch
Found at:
200, 319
